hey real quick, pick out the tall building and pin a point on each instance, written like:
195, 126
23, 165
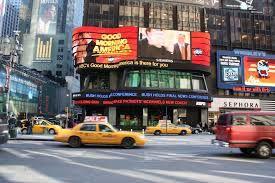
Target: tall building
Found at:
163, 77
242, 56
47, 36
9, 18
239, 76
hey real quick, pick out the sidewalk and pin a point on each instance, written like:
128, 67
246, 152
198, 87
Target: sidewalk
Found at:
33, 137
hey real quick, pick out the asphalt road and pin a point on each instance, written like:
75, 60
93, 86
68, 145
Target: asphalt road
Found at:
165, 159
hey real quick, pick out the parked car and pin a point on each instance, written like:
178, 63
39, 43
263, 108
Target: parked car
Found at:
249, 131
164, 127
195, 130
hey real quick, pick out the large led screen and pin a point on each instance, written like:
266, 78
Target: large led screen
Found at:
259, 71
164, 44
47, 17
104, 45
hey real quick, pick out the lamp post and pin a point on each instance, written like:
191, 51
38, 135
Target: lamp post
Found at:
10, 51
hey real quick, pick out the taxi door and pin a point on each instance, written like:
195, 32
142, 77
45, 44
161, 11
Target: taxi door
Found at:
38, 128
88, 134
106, 135
172, 129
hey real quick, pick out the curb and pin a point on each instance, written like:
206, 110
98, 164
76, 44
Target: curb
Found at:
27, 139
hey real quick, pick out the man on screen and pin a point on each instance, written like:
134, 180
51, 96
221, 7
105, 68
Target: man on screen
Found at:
152, 46
182, 48
47, 19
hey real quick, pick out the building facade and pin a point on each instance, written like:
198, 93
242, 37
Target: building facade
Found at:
9, 18
242, 39
47, 36
158, 80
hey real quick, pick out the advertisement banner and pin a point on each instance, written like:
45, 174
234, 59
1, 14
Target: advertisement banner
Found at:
47, 17
246, 71
259, 71
229, 69
104, 45
164, 44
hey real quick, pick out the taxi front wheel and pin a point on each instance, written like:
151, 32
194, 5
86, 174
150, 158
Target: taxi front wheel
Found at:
51, 131
128, 143
74, 142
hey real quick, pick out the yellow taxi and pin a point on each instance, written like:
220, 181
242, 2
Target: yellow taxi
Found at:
97, 130
166, 127
40, 127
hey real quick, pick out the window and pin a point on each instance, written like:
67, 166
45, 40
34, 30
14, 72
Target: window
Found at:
88, 127
104, 128
222, 120
165, 79
238, 120
60, 50
61, 42
59, 66
266, 120
58, 73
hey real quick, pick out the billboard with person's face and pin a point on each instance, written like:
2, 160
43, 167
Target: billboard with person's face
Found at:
47, 17
164, 44
104, 45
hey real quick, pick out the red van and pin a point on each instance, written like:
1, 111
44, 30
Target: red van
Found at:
249, 131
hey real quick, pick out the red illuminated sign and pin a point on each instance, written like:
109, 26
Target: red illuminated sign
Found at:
104, 45
252, 89
131, 101
200, 42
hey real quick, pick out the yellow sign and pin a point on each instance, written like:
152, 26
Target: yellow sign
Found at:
44, 49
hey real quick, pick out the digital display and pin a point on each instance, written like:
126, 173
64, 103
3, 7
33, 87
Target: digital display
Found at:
230, 74
164, 44
47, 17
141, 95
104, 45
259, 71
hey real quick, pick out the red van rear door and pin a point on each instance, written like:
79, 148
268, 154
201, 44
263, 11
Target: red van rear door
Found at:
223, 126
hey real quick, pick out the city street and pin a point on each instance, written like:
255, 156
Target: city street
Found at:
165, 159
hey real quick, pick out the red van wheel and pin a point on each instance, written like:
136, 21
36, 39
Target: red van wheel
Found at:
264, 150
247, 151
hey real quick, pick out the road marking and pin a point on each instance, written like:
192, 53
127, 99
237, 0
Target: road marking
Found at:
24, 174
16, 153
245, 174
83, 154
200, 177
122, 172
125, 154
233, 159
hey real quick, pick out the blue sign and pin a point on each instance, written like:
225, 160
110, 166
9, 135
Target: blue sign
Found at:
142, 95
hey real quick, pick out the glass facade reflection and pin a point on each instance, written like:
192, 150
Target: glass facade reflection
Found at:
23, 94
164, 79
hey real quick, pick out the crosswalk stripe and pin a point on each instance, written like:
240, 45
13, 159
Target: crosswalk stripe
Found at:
25, 174
16, 153
244, 174
83, 154
200, 177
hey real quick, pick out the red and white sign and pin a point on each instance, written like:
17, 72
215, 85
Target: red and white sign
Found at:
96, 119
